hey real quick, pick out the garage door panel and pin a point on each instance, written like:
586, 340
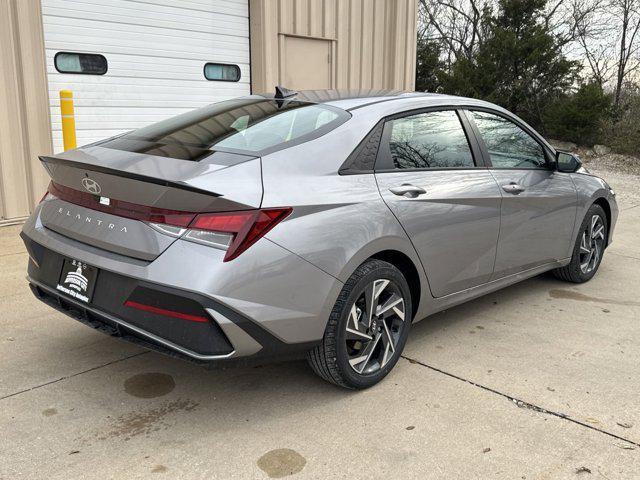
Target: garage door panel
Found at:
143, 44
181, 26
116, 113
209, 54
156, 9
133, 97
108, 82
230, 7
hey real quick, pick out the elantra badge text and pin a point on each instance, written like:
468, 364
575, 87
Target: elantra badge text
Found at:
91, 220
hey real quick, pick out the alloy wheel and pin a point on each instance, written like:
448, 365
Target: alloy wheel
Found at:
374, 327
592, 244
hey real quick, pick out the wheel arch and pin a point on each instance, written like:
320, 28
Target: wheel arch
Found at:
398, 251
604, 203
403, 263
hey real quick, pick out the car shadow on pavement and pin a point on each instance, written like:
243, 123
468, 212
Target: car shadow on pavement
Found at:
534, 290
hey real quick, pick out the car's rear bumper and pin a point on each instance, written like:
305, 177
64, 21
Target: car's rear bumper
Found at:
244, 347
271, 304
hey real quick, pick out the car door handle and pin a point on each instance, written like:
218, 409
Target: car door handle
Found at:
513, 188
407, 190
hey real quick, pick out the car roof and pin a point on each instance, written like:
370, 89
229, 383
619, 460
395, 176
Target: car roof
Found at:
348, 99
344, 98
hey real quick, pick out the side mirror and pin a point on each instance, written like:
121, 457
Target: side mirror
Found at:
567, 162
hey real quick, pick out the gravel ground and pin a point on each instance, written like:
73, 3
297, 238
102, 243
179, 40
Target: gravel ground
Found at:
613, 162
620, 171
625, 185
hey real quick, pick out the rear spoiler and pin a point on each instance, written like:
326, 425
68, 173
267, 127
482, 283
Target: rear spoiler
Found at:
46, 160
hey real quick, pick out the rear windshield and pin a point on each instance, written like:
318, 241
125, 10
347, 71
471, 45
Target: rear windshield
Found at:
254, 126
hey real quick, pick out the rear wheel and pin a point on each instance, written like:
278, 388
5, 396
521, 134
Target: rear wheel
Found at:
367, 328
588, 249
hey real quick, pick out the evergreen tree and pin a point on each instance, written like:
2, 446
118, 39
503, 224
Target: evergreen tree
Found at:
579, 117
519, 65
428, 66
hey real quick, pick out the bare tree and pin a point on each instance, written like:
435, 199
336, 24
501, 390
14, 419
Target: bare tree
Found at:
604, 35
609, 37
628, 14
571, 19
595, 34
456, 24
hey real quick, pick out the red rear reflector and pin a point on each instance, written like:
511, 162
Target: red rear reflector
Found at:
247, 226
120, 208
166, 313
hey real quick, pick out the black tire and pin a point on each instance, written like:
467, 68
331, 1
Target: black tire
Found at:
330, 359
573, 272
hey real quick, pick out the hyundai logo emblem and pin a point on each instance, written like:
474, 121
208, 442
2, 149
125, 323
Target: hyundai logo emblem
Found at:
91, 186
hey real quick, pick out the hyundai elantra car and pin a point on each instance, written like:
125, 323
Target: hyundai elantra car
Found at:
318, 224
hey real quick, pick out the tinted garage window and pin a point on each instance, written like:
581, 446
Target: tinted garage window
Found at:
222, 72
245, 125
83, 63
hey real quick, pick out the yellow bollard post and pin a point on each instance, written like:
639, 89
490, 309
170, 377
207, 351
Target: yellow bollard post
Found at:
68, 119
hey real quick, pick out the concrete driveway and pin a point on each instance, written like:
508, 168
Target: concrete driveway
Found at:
538, 381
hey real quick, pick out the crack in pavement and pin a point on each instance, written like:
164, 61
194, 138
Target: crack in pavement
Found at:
521, 403
518, 402
66, 377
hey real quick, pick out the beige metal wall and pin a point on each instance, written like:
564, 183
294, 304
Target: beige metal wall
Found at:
373, 42
25, 131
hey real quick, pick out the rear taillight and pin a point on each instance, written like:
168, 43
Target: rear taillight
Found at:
230, 231
235, 231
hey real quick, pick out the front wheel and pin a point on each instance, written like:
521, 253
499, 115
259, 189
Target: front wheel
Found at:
367, 328
588, 249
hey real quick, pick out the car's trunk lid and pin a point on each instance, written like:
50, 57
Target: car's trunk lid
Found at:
109, 189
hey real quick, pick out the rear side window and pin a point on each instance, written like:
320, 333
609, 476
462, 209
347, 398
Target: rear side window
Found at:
83, 63
429, 140
249, 125
509, 145
277, 129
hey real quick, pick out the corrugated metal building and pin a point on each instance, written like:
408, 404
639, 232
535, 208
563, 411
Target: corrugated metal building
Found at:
135, 62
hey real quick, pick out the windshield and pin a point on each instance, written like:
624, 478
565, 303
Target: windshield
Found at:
252, 125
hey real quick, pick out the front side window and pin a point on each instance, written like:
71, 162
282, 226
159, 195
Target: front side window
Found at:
509, 145
429, 140
83, 63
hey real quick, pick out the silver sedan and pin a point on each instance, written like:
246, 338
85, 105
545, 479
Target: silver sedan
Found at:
317, 224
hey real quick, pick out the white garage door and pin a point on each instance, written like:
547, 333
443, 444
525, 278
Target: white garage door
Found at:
156, 51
